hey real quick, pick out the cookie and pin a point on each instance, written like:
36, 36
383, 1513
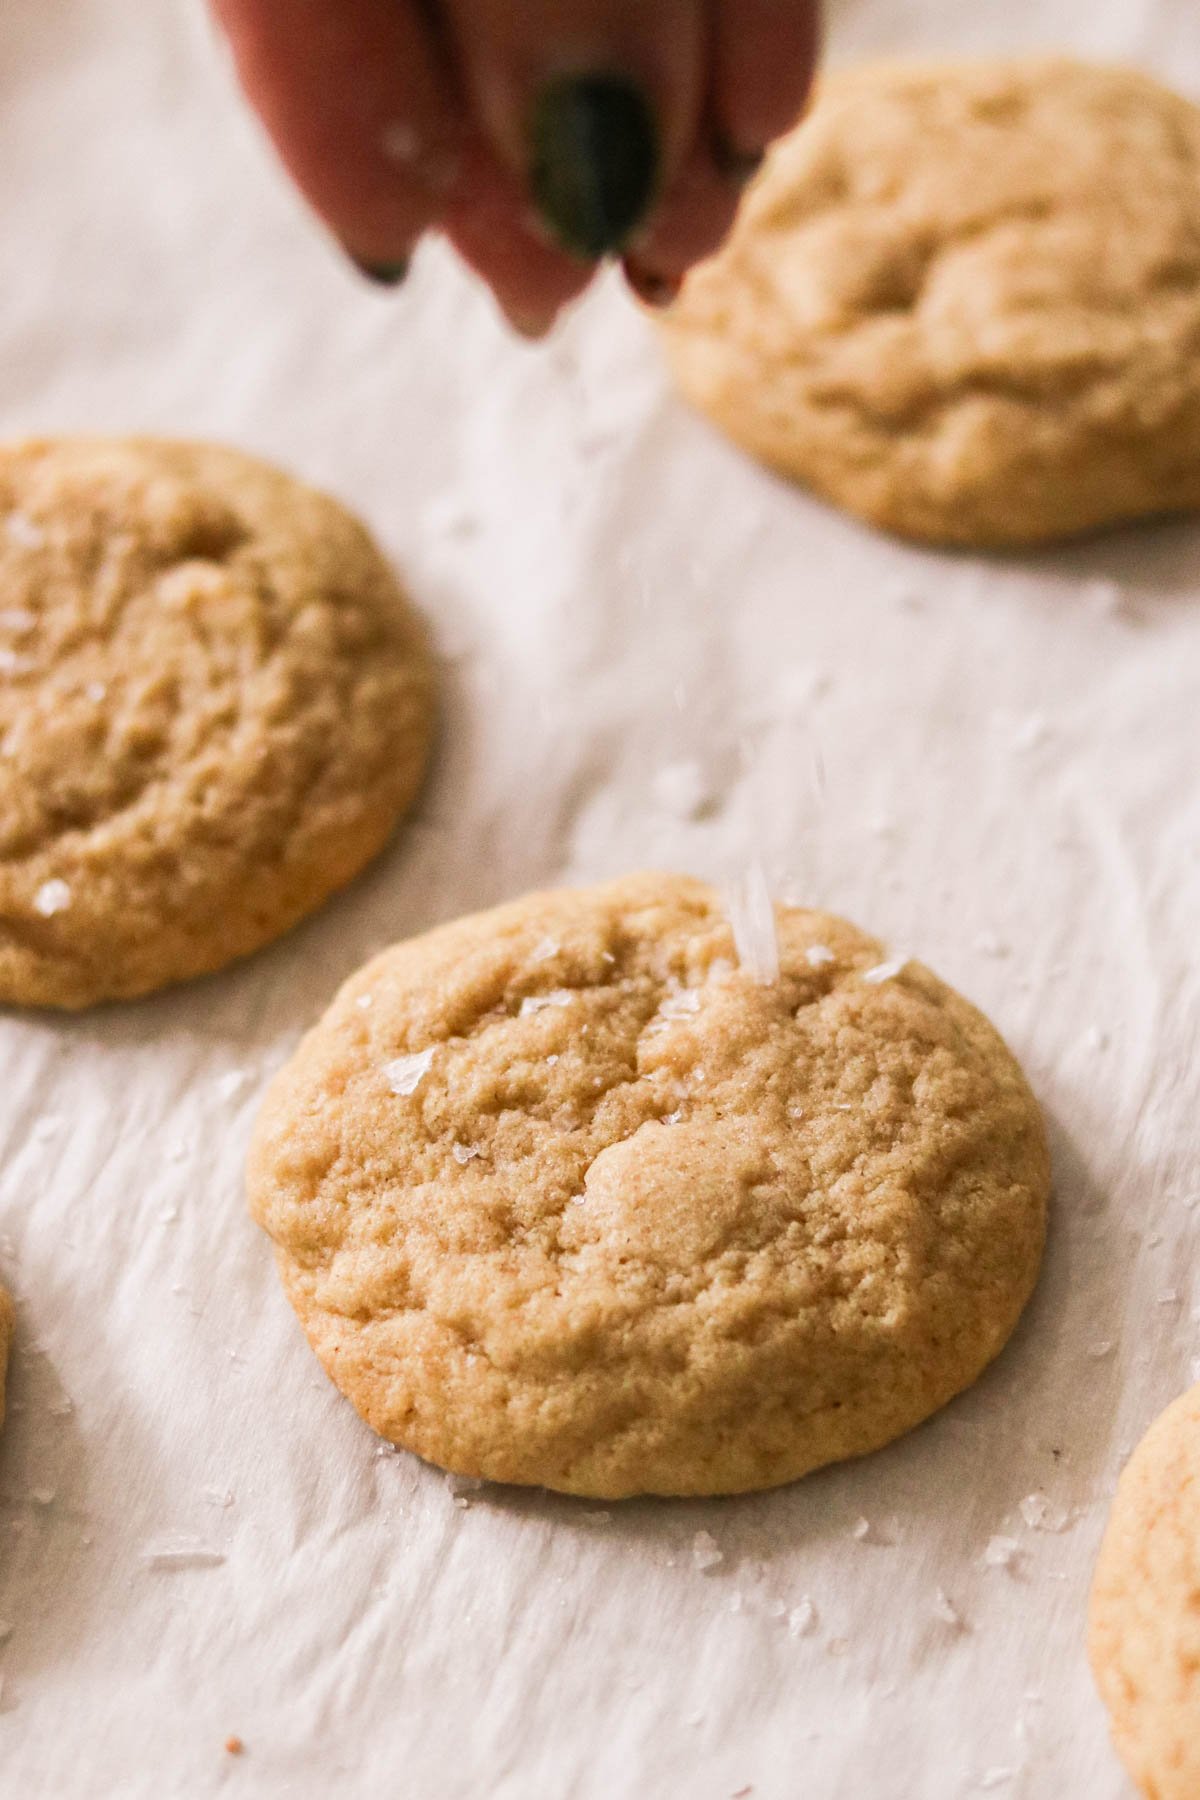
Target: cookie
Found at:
565, 1196
1144, 1628
215, 703
6, 1331
963, 301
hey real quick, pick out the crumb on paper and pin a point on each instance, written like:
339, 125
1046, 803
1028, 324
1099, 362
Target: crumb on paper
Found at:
945, 1610
178, 1550
752, 916
802, 1620
52, 897
861, 1529
234, 1745
42, 1496
706, 1553
1103, 1347
1000, 1551
1041, 1514
232, 1082
988, 944
404, 1074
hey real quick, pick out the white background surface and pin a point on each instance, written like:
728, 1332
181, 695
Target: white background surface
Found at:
941, 747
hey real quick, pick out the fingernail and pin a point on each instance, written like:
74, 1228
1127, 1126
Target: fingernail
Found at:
383, 274
738, 166
595, 162
532, 329
652, 289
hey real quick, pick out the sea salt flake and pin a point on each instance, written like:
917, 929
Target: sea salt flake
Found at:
945, 1609
218, 1496
22, 530
52, 897
802, 1620
364, 1001
753, 919
536, 1003
886, 971
1104, 1347
681, 788
176, 1550
463, 1153
1000, 1552
96, 691
818, 956
16, 618
168, 1215
1169, 1298
42, 1496
231, 1083
404, 1074
861, 1529
1041, 1514
543, 951
1031, 732
706, 1553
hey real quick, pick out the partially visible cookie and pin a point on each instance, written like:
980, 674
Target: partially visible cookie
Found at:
1144, 1635
6, 1328
215, 703
963, 301
563, 1196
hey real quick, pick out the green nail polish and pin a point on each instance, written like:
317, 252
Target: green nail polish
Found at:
595, 162
382, 274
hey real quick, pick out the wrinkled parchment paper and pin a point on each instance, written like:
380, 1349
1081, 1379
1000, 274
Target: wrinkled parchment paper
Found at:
654, 654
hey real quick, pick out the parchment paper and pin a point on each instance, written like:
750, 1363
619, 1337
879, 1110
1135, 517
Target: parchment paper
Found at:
992, 763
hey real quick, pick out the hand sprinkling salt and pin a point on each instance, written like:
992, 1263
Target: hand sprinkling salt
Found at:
753, 919
405, 1074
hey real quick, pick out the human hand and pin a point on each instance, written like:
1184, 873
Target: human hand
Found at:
540, 135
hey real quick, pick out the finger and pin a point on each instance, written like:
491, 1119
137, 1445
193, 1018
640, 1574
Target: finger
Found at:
764, 53
692, 222
593, 104
484, 220
353, 97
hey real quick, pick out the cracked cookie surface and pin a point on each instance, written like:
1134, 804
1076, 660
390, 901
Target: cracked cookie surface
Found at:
963, 301
563, 1197
1144, 1627
215, 703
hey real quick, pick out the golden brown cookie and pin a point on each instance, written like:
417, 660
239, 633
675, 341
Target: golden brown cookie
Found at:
1144, 1636
215, 703
6, 1330
963, 301
564, 1197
